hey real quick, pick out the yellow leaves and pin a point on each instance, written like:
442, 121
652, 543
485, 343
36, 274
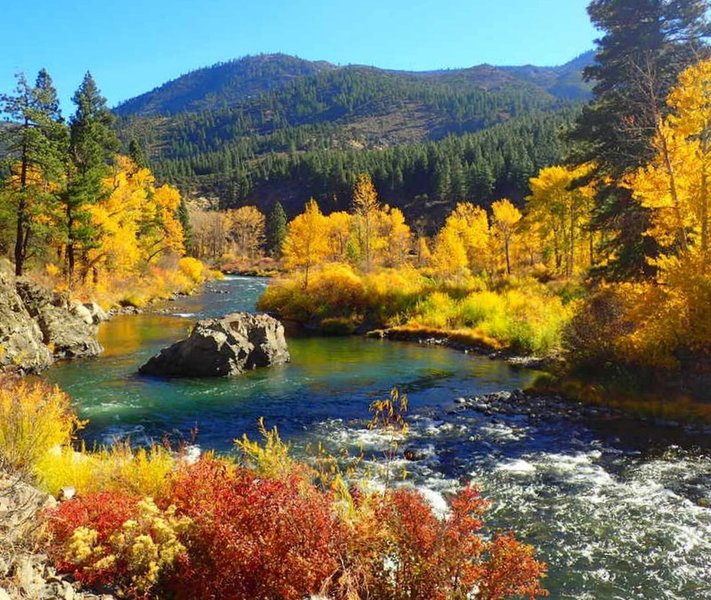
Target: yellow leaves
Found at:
193, 269
270, 458
449, 259
135, 221
558, 213
119, 468
246, 226
144, 546
690, 100
306, 242
34, 419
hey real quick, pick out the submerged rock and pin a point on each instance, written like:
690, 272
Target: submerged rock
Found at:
222, 348
68, 327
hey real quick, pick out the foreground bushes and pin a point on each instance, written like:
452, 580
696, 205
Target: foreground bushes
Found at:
34, 419
151, 524
226, 531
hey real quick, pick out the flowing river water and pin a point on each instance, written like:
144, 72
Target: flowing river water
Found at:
618, 511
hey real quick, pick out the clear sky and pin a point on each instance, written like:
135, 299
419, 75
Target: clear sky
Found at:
132, 46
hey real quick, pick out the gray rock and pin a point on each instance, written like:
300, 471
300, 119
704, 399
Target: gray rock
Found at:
98, 314
67, 326
21, 340
222, 348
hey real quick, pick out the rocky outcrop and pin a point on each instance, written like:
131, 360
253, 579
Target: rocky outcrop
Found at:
38, 325
222, 348
68, 327
21, 340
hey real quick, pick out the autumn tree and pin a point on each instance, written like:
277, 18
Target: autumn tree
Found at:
92, 146
505, 217
338, 226
366, 209
559, 211
209, 232
674, 186
35, 145
134, 222
246, 229
397, 237
306, 242
471, 225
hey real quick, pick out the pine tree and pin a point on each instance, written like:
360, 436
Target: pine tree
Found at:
91, 149
35, 144
276, 229
135, 151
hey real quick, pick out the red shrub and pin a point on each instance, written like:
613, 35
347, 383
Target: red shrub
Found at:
253, 537
435, 559
105, 513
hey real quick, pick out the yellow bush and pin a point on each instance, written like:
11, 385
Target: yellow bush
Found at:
34, 419
139, 552
119, 468
193, 269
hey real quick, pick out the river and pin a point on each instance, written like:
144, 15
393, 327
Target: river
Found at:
619, 512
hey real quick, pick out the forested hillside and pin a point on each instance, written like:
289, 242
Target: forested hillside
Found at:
273, 126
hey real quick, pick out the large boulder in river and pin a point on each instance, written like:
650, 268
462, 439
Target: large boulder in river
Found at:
21, 340
68, 327
223, 347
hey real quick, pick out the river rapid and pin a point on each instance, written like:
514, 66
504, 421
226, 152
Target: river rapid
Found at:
618, 510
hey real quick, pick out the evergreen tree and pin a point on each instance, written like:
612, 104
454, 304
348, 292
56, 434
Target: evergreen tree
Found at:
276, 229
646, 44
92, 146
136, 153
188, 233
35, 144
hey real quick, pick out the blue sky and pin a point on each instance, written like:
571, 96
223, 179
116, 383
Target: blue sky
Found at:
132, 46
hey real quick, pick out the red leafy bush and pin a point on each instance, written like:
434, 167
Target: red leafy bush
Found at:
105, 513
427, 558
229, 532
253, 537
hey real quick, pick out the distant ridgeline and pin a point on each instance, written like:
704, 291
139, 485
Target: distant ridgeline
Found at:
275, 127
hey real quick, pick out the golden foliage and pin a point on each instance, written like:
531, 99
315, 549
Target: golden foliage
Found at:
35, 419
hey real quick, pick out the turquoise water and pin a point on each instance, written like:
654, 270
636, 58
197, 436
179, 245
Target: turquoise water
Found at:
614, 518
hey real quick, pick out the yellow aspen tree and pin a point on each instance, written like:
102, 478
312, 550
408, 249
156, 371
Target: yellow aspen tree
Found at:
366, 209
471, 225
449, 258
306, 243
397, 237
505, 218
246, 227
166, 233
339, 233
559, 212
116, 219
674, 185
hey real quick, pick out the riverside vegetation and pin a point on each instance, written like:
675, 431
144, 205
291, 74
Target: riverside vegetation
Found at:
153, 523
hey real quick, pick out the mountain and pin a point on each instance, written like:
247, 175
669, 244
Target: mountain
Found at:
225, 85
274, 125
221, 85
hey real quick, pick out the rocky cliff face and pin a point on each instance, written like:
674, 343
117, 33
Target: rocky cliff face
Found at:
222, 348
38, 326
